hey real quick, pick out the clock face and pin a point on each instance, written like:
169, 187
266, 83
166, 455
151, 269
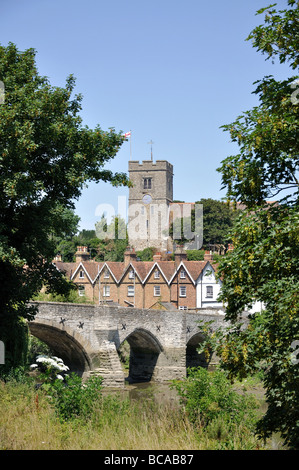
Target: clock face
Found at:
147, 199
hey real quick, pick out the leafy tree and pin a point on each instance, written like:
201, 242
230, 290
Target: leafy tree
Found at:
264, 263
113, 239
46, 158
87, 235
146, 254
195, 255
218, 219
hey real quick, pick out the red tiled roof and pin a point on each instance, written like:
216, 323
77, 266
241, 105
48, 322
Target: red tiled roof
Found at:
142, 268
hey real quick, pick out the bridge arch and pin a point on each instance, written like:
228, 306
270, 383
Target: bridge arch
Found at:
193, 358
145, 349
66, 343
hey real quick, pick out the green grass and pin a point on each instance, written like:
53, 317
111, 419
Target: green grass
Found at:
30, 420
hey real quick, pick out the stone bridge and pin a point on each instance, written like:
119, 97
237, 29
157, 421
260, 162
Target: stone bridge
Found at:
87, 337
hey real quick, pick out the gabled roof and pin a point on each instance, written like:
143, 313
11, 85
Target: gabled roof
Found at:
88, 268
192, 268
67, 269
164, 267
143, 269
116, 269
93, 268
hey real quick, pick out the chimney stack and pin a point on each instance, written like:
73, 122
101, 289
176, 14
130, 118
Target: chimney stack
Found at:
157, 257
180, 254
129, 255
82, 254
208, 256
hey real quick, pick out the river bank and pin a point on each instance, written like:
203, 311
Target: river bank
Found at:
145, 416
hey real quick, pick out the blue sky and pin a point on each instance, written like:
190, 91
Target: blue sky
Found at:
170, 71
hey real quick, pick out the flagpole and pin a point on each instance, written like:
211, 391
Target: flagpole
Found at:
126, 135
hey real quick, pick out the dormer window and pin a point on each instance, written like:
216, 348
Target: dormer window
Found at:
183, 274
81, 274
106, 274
157, 274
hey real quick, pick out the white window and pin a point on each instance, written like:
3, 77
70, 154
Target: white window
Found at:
183, 307
81, 291
209, 292
182, 291
106, 291
157, 274
106, 274
157, 291
131, 274
81, 274
131, 291
183, 274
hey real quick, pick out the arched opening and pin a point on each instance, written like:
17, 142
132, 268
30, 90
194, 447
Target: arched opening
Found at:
63, 345
144, 353
193, 358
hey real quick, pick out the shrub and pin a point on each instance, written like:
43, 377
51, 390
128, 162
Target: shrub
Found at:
208, 396
73, 399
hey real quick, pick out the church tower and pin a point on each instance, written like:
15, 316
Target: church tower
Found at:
149, 200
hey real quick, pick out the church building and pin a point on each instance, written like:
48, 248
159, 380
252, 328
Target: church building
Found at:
150, 198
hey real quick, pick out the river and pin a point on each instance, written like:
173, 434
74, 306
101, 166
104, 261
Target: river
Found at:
161, 393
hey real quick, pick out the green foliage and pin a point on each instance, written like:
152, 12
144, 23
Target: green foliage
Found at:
268, 134
218, 219
195, 255
36, 347
209, 396
264, 263
70, 297
279, 35
109, 248
73, 399
15, 336
46, 157
146, 254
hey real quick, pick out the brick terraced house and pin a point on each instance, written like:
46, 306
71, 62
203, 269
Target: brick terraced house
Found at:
180, 284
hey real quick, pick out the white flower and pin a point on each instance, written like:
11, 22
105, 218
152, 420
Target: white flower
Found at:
33, 366
59, 377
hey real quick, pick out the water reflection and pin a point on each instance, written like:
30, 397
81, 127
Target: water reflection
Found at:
161, 394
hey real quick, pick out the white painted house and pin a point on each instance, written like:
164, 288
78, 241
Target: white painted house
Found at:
208, 288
